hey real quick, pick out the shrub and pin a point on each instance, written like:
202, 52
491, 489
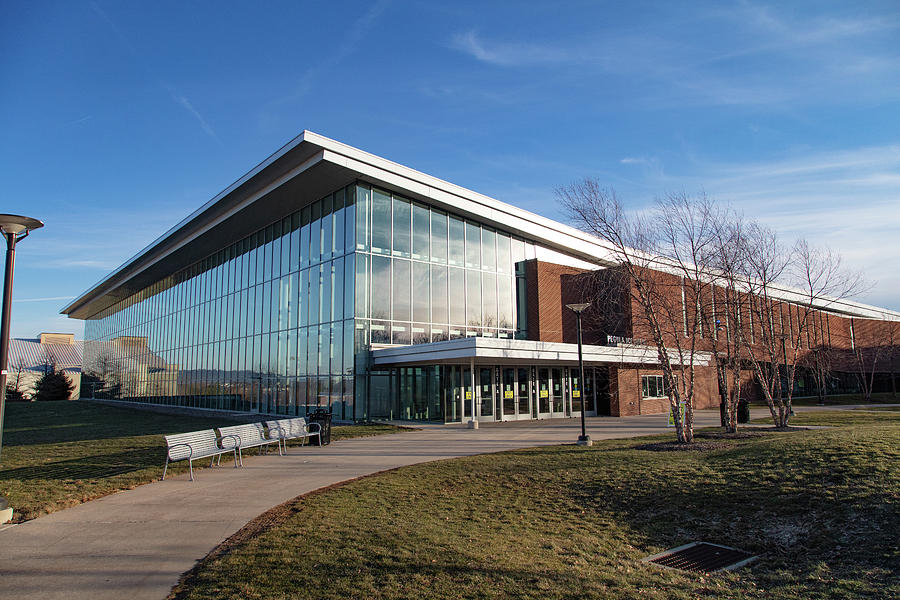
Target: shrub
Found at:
14, 395
53, 385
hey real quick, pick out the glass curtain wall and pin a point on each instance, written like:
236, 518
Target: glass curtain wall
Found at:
264, 325
282, 320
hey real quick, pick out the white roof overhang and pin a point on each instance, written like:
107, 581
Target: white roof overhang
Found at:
499, 351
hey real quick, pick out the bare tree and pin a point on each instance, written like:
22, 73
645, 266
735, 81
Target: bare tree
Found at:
813, 279
725, 311
665, 257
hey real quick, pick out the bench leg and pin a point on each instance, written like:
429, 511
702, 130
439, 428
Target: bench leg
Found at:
212, 460
191, 467
240, 458
234, 450
165, 468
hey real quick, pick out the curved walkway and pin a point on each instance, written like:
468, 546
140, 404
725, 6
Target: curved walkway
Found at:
137, 543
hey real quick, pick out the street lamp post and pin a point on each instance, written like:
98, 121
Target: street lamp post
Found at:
584, 439
14, 228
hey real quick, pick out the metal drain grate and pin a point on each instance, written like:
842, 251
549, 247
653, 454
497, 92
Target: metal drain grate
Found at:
701, 557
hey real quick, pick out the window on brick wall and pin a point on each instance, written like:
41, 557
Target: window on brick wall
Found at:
653, 386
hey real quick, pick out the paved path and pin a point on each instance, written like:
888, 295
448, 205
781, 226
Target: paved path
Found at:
136, 544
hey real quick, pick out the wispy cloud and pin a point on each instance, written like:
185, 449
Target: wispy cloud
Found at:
331, 58
190, 108
176, 96
633, 160
48, 299
510, 54
758, 56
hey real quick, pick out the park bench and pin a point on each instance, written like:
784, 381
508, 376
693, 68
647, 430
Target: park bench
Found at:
292, 429
251, 435
194, 445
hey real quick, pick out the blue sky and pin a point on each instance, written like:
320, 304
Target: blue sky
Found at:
120, 118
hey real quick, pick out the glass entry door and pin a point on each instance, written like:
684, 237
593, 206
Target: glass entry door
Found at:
508, 393
557, 393
486, 394
523, 392
543, 392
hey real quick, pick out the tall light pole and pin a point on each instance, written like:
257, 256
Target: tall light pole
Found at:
584, 439
14, 228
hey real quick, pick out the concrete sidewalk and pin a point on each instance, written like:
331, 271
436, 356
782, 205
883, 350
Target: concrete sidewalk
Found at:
137, 543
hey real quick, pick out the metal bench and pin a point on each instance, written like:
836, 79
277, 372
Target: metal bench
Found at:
251, 435
193, 445
292, 429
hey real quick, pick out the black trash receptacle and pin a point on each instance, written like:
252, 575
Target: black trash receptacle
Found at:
743, 411
322, 416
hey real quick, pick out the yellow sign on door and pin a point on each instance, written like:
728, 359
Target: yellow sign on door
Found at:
508, 394
545, 394
576, 394
468, 395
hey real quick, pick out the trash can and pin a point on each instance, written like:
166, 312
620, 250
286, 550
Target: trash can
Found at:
743, 411
322, 416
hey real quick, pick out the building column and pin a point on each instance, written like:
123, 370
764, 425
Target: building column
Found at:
473, 424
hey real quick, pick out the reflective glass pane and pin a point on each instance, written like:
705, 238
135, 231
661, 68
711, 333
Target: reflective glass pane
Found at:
420, 227
439, 309
421, 292
488, 250
381, 222
338, 217
327, 226
363, 232
438, 236
489, 299
473, 298
504, 256
401, 234
304, 236
315, 232
380, 288
505, 302
457, 244
401, 290
362, 285
473, 246
457, 296
325, 312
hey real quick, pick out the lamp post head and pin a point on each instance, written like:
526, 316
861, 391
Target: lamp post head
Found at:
578, 308
14, 224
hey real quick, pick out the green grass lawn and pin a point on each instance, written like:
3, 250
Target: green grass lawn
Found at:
819, 506
58, 454
880, 397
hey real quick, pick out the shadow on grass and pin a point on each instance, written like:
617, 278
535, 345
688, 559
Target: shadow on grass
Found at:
99, 466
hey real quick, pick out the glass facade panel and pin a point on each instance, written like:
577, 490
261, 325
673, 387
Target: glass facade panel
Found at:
473, 245
402, 224
421, 293
401, 291
457, 244
439, 306
421, 232
438, 237
381, 222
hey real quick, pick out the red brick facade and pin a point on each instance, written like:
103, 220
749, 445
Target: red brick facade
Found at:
551, 286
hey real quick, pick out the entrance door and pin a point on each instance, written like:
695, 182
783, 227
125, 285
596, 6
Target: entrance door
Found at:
576, 391
523, 392
557, 393
486, 393
543, 399
508, 393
